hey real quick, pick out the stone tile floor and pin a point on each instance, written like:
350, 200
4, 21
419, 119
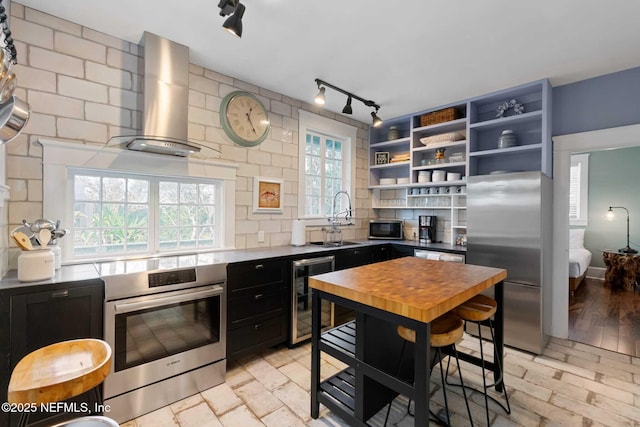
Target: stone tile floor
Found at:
571, 384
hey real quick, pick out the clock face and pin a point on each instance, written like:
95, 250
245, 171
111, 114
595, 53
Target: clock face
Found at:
244, 118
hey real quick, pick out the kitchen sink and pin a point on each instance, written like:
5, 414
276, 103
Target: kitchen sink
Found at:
330, 245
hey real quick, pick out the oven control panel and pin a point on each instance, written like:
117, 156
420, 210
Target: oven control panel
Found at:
165, 278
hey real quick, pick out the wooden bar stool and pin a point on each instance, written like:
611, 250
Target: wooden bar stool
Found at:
446, 330
479, 310
58, 372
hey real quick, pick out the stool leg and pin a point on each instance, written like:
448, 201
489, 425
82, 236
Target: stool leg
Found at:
464, 392
444, 390
24, 417
484, 379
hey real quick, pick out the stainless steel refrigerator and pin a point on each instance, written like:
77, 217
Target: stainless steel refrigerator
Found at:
509, 225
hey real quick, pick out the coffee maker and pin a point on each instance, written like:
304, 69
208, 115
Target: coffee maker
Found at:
427, 228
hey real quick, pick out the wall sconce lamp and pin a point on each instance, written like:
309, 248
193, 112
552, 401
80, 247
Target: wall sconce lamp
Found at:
610, 216
320, 100
233, 24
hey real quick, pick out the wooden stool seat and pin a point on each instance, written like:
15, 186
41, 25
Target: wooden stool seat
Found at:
445, 330
60, 371
477, 309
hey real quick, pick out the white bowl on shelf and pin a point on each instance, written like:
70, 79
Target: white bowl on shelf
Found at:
388, 181
439, 176
403, 180
453, 176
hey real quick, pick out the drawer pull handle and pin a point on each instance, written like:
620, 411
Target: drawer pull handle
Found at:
258, 296
60, 294
257, 326
259, 266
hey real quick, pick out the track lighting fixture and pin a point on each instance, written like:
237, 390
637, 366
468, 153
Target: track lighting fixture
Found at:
320, 99
233, 24
376, 121
347, 108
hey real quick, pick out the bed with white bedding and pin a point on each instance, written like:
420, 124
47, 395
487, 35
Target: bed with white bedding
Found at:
579, 258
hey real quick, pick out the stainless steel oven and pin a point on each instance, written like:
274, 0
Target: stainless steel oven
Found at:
167, 329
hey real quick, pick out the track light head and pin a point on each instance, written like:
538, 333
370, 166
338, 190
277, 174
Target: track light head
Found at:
376, 121
347, 108
233, 24
319, 99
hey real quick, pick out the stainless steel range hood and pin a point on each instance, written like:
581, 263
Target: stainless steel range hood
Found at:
165, 99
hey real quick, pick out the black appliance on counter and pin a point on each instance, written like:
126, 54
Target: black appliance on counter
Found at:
427, 228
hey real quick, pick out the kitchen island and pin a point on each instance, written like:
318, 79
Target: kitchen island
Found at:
405, 291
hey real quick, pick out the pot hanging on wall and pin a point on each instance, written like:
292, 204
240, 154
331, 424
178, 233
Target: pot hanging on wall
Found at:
14, 115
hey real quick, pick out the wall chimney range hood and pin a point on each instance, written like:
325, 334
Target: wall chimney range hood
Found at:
165, 99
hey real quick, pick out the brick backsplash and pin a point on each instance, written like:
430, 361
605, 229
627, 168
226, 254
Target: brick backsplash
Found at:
85, 86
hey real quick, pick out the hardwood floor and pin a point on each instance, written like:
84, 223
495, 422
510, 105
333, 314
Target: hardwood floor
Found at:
606, 319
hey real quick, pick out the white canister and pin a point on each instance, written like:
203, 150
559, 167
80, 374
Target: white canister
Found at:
424, 176
57, 252
438, 176
38, 264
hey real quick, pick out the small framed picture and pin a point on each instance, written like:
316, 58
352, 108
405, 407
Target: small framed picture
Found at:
267, 195
382, 157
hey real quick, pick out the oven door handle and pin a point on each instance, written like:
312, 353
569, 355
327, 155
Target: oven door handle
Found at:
127, 307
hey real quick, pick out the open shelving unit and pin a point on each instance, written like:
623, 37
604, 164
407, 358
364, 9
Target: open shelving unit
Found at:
479, 129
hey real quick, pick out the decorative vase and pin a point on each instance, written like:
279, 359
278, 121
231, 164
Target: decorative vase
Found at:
507, 139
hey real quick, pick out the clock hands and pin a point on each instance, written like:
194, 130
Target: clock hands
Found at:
250, 122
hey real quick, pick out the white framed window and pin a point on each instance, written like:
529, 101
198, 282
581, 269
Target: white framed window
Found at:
124, 214
579, 190
119, 204
326, 166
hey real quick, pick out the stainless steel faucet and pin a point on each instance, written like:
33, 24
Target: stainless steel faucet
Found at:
347, 212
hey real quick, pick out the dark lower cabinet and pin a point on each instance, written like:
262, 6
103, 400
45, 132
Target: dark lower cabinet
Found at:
353, 257
399, 251
380, 253
256, 306
41, 315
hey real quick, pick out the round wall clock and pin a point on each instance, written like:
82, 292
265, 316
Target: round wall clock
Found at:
244, 118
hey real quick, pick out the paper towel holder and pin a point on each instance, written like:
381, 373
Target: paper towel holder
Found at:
298, 237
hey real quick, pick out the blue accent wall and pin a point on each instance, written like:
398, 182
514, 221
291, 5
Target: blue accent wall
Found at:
613, 181
601, 102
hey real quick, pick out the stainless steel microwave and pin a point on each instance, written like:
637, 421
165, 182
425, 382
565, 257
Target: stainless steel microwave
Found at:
385, 229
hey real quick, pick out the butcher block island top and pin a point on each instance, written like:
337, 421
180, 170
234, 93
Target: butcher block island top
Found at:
425, 290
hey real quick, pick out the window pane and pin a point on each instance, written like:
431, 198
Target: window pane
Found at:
188, 215
113, 189
86, 241
207, 194
206, 236
168, 192
86, 215
137, 216
168, 238
86, 187
168, 216
206, 215
187, 236
113, 215
188, 193
138, 191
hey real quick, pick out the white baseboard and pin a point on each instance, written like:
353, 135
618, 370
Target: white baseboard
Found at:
596, 272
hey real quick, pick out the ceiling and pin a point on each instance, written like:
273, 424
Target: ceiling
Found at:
406, 56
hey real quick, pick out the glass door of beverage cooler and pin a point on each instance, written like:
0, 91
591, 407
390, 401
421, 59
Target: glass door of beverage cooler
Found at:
301, 297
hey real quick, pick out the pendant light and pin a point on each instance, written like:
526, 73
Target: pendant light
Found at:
347, 108
233, 24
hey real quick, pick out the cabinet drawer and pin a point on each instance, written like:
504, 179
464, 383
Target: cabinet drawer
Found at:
248, 274
255, 336
245, 303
